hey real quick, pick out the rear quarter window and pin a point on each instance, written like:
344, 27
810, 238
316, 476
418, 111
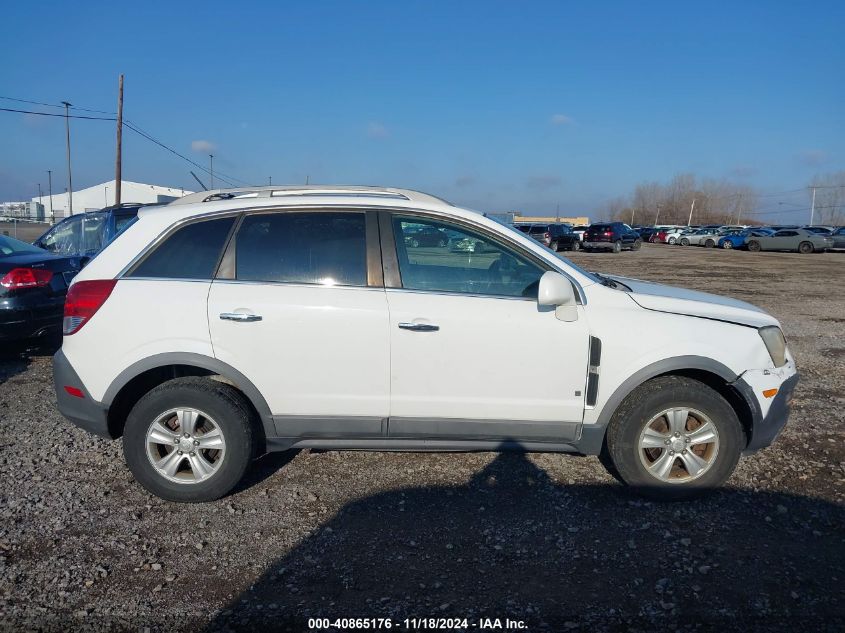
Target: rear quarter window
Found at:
191, 252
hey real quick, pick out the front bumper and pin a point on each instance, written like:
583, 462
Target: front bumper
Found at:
766, 428
84, 412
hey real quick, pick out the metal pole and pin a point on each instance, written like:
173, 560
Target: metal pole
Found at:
50, 181
211, 156
692, 206
632, 216
39, 194
69, 178
739, 209
813, 207
657, 216
118, 162
106, 196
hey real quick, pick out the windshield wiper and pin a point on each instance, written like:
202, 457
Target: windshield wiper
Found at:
611, 283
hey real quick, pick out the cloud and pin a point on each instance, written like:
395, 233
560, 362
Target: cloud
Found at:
464, 181
542, 181
813, 157
203, 147
561, 119
743, 171
377, 130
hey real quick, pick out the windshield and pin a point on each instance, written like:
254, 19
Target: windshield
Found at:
10, 246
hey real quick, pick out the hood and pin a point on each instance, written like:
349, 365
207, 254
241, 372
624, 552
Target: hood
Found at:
652, 296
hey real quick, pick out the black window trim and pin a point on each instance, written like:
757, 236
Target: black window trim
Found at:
390, 259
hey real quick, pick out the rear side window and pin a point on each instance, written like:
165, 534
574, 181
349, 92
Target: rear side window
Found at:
313, 248
192, 252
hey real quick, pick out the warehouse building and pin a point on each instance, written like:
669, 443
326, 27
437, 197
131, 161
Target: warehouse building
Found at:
102, 195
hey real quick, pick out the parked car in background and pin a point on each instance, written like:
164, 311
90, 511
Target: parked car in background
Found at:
670, 235
556, 236
611, 236
579, 231
307, 338
86, 234
646, 232
700, 237
33, 284
838, 238
737, 239
799, 240
427, 236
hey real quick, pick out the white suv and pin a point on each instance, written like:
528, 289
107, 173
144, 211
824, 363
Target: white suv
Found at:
231, 323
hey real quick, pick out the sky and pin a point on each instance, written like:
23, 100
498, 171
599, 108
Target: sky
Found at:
493, 105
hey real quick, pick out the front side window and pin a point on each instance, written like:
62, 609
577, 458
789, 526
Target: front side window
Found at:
93, 233
63, 239
324, 248
471, 263
191, 252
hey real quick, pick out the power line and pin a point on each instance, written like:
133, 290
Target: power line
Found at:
53, 105
72, 116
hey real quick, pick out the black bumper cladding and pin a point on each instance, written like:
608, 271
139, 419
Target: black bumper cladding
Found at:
765, 431
85, 412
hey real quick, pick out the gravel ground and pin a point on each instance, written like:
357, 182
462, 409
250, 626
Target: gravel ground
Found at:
550, 540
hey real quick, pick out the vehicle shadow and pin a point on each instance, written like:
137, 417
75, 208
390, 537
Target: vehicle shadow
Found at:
513, 543
15, 356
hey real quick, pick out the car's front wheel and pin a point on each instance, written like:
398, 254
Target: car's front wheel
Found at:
754, 246
674, 438
684, 242
727, 245
189, 439
805, 248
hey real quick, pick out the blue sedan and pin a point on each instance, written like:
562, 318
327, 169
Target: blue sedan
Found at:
736, 239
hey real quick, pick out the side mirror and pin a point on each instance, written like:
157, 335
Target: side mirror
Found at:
556, 290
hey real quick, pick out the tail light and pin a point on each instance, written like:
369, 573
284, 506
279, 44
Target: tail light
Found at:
607, 233
26, 278
82, 302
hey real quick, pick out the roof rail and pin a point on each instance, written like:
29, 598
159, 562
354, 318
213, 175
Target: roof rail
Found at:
275, 191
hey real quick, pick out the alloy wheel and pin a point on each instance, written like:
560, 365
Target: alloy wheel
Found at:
678, 445
185, 445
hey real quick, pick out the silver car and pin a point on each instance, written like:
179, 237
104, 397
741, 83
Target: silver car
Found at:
800, 240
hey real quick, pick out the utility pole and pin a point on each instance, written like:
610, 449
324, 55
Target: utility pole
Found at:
69, 178
211, 157
692, 206
813, 207
557, 213
632, 215
39, 193
50, 190
739, 209
118, 167
657, 216
106, 196
270, 181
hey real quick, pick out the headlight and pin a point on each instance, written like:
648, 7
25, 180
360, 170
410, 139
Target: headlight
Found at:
775, 343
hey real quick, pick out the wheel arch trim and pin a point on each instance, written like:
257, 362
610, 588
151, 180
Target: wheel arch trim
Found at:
201, 361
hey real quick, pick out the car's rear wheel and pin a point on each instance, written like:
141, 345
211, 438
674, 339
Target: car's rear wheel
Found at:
554, 246
442, 243
189, 439
805, 248
684, 241
617, 246
672, 240
674, 438
727, 245
415, 243
709, 244
754, 246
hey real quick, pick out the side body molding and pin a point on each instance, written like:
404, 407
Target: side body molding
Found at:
195, 360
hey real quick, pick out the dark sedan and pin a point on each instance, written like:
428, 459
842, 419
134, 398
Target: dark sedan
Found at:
33, 285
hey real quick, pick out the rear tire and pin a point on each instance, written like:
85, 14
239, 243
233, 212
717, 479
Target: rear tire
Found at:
636, 245
219, 406
659, 409
554, 246
709, 244
727, 245
617, 246
672, 240
754, 246
805, 248
684, 241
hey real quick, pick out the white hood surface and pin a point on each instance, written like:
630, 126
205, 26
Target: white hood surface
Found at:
662, 298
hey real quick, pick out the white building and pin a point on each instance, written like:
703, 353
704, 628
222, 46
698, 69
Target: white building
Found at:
22, 210
102, 195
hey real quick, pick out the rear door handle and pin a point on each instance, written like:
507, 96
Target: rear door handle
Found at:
239, 316
419, 327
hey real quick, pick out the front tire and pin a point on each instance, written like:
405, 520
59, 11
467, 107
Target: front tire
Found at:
805, 248
637, 245
727, 245
709, 244
754, 246
189, 440
684, 242
672, 240
674, 438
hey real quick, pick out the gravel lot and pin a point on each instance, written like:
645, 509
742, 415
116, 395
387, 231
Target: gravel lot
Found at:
551, 540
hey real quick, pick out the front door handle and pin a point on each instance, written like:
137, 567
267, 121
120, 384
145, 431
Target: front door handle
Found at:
419, 327
240, 316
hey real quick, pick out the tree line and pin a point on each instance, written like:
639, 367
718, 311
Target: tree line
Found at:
685, 199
